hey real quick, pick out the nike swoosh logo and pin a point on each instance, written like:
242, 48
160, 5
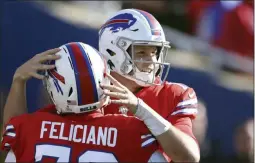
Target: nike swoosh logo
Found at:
191, 94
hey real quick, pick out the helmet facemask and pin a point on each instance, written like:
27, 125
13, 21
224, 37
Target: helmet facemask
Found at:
130, 69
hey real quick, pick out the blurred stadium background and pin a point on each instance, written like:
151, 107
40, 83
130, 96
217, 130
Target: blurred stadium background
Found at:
212, 51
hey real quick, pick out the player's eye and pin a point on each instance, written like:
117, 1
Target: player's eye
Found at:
140, 54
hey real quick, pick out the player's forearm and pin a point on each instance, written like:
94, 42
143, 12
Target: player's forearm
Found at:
179, 146
176, 144
16, 101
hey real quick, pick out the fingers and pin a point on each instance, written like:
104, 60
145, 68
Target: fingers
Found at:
112, 88
37, 76
116, 95
44, 67
35, 68
48, 58
47, 55
50, 52
120, 102
40, 68
114, 81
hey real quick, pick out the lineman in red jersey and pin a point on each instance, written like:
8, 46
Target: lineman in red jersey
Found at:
134, 45
89, 137
56, 134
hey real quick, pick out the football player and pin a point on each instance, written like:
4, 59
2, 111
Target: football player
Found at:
74, 128
134, 45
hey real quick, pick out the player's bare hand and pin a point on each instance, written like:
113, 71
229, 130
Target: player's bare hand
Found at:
122, 95
32, 67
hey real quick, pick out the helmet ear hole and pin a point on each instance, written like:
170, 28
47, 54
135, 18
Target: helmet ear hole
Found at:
111, 52
70, 92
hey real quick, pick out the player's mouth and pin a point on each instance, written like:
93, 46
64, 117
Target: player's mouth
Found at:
148, 70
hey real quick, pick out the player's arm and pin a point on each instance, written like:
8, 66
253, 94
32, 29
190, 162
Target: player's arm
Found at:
16, 100
179, 146
176, 139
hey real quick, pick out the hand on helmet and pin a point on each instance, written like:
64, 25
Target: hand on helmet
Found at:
31, 67
122, 95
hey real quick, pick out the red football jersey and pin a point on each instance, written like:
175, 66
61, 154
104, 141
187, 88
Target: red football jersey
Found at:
175, 102
48, 137
169, 100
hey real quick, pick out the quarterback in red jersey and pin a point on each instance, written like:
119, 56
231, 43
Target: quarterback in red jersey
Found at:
175, 102
183, 101
134, 45
57, 134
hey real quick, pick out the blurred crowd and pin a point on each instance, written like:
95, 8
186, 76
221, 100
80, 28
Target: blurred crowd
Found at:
224, 24
227, 24
243, 140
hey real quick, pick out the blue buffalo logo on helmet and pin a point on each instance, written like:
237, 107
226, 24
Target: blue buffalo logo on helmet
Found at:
119, 22
56, 77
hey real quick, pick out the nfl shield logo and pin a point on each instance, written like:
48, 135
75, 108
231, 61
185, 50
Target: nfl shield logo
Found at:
123, 110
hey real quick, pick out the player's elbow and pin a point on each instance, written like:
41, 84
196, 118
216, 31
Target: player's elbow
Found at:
194, 152
186, 153
191, 155
194, 157
185, 156
197, 158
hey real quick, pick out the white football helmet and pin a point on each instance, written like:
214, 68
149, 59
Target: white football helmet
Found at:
124, 30
74, 84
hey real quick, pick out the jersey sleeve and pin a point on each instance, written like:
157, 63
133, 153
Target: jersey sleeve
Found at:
186, 104
184, 109
184, 124
11, 134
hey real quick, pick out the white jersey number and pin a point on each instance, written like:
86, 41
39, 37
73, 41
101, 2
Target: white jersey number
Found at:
63, 154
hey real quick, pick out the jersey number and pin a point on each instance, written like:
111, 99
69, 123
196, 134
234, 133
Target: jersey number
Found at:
63, 154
